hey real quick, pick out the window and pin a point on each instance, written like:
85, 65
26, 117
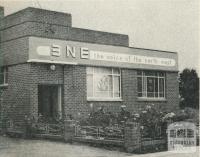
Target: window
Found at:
4, 75
181, 133
173, 133
151, 84
190, 133
103, 83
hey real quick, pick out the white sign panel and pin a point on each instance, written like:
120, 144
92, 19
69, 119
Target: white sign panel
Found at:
135, 59
72, 52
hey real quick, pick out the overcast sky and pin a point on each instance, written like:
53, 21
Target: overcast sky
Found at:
171, 25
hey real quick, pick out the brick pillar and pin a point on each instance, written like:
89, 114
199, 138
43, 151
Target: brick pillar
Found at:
132, 140
69, 130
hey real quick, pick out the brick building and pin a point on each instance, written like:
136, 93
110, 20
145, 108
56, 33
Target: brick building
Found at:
51, 68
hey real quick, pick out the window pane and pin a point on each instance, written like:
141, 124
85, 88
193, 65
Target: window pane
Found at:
144, 87
116, 71
190, 133
89, 86
116, 86
150, 87
161, 87
103, 82
110, 86
172, 133
161, 74
161, 95
181, 133
1, 78
1, 68
139, 72
156, 87
6, 75
102, 85
150, 73
139, 86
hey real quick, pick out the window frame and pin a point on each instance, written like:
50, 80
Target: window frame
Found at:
144, 83
112, 74
4, 72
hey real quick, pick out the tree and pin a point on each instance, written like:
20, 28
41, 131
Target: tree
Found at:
189, 88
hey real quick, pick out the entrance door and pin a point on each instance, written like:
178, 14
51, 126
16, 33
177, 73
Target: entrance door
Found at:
49, 101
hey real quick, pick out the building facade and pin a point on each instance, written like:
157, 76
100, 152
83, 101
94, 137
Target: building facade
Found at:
52, 69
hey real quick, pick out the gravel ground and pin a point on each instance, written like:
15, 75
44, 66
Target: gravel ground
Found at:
12, 147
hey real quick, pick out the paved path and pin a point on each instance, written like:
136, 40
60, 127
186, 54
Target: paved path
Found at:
10, 147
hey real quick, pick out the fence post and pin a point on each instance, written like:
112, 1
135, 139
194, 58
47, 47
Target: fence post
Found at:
132, 137
69, 130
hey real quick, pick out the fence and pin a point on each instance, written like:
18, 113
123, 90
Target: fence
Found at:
109, 133
128, 137
45, 128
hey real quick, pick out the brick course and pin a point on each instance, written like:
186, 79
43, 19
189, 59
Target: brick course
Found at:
22, 91
20, 97
35, 14
14, 51
15, 96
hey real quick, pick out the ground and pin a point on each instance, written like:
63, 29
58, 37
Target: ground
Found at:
12, 147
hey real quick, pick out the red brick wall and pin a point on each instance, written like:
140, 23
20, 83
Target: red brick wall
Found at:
41, 74
62, 32
75, 95
15, 97
15, 29
21, 95
14, 51
35, 14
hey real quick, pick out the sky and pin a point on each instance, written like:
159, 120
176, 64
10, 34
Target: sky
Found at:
169, 25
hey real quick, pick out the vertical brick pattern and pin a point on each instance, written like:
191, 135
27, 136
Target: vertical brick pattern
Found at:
172, 91
129, 88
22, 92
15, 97
42, 75
14, 51
35, 14
75, 102
132, 139
30, 28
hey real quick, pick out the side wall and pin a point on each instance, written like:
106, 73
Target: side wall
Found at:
14, 51
15, 100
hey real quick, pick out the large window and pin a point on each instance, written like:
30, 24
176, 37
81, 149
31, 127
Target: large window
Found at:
151, 84
3, 75
103, 83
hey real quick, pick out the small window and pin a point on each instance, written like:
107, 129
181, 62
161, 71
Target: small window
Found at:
181, 133
173, 133
190, 133
4, 75
151, 84
103, 83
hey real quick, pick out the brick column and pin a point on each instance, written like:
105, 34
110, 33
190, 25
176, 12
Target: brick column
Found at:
69, 130
132, 140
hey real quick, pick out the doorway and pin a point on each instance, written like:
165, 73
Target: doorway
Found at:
49, 102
